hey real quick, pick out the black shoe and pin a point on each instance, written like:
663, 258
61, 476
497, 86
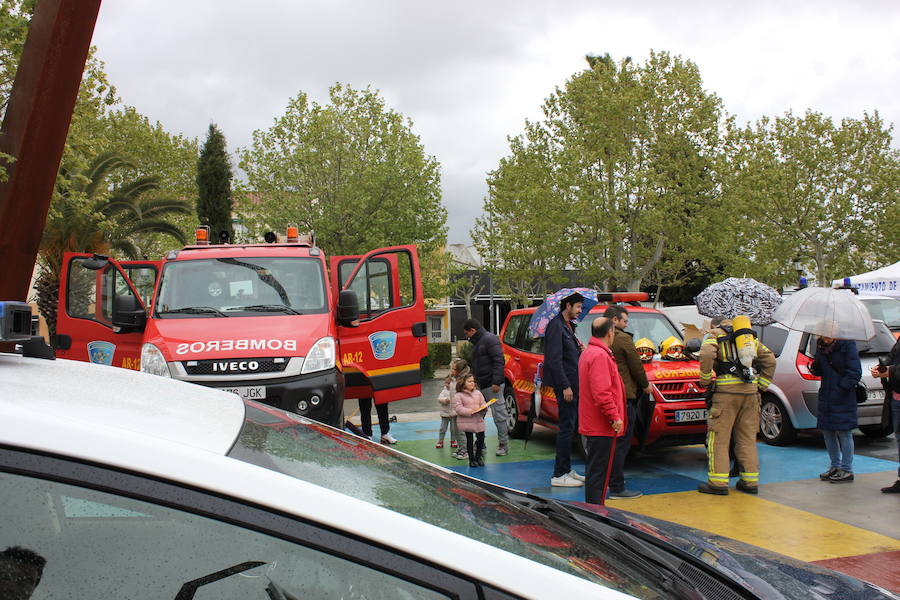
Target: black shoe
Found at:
746, 487
892, 489
480, 461
473, 463
827, 474
841, 477
705, 488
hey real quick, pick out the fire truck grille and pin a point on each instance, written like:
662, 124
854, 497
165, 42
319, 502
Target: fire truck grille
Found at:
241, 366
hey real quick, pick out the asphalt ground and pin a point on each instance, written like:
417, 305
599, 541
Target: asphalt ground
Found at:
852, 528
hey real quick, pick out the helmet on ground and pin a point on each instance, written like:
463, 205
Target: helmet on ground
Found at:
645, 349
672, 348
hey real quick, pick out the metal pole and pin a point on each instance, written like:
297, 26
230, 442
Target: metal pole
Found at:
35, 128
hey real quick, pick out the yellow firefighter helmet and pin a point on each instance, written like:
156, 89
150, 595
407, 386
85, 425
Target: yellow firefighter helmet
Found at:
645, 349
672, 348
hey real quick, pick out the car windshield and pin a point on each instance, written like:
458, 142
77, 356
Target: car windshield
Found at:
651, 325
307, 450
248, 286
885, 309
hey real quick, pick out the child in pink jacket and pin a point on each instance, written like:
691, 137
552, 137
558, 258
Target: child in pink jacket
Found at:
469, 406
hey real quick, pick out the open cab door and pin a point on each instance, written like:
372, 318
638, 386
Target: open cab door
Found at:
100, 315
381, 354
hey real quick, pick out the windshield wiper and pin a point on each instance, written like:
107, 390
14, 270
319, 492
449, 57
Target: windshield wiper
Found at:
271, 308
194, 310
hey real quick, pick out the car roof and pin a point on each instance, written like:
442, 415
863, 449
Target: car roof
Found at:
181, 432
155, 406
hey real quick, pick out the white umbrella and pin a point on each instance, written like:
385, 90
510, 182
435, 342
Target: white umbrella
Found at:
826, 312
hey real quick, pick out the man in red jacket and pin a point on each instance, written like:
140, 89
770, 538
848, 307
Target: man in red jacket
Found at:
601, 411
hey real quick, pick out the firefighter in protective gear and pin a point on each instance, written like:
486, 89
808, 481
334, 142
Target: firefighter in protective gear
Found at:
735, 405
645, 349
672, 349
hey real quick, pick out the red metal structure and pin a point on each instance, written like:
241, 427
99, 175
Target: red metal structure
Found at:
35, 127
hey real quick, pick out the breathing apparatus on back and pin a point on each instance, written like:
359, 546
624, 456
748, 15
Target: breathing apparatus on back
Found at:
738, 345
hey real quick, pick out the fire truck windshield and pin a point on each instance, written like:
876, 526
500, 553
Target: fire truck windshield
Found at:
652, 325
249, 286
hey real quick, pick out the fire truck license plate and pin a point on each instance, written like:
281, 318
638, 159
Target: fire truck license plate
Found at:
696, 414
257, 392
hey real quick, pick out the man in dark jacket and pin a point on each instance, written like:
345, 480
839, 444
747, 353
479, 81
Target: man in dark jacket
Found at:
561, 352
631, 369
890, 372
487, 367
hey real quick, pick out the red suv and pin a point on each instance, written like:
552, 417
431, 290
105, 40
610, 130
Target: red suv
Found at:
677, 409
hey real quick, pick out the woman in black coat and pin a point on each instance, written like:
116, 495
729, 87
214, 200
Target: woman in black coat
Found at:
837, 362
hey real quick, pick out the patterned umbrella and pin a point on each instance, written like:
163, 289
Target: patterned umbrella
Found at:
550, 308
736, 296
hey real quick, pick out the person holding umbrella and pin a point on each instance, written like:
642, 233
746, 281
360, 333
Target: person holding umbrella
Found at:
889, 370
561, 352
735, 404
837, 363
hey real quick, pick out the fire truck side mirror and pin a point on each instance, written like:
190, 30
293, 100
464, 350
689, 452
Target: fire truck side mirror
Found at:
127, 314
347, 308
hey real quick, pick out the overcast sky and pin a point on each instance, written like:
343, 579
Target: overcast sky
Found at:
469, 73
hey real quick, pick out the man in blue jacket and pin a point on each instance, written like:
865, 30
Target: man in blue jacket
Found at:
487, 367
561, 352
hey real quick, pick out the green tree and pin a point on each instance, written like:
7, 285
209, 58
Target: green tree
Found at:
214, 203
622, 166
89, 216
353, 171
803, 187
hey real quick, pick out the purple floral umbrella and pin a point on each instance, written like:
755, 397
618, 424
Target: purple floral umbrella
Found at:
550, 308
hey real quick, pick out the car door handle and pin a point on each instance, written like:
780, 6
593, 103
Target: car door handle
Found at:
419, 329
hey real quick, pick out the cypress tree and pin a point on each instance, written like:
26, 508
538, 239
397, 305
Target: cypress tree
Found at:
214, 201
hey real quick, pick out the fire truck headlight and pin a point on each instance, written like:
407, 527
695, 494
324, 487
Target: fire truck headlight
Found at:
153, 361
320, 356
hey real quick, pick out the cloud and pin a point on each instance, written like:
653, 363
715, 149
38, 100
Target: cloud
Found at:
469, 73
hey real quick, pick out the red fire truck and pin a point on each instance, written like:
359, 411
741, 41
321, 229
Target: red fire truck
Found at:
260, 320
676, 414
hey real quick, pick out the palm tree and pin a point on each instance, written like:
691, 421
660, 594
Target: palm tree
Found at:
88, 216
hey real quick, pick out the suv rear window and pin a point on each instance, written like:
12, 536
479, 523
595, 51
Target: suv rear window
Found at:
774, 338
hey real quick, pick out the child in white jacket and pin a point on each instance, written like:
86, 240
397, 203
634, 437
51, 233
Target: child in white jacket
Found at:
448, 414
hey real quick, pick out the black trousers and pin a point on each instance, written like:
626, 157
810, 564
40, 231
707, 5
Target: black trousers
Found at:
623, 445
474, 444
365, 416
600, 452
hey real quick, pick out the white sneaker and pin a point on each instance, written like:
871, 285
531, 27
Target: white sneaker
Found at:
388, 439
565, 481
574, 475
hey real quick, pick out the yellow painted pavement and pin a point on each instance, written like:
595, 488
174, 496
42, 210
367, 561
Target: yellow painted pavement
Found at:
763, 523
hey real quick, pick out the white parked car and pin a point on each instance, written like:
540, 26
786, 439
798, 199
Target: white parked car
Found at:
117, 484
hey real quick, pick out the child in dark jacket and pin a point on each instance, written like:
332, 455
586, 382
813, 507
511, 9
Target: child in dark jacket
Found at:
470, 406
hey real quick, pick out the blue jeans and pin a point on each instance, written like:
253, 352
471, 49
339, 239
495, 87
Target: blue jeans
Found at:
895, 417
840, 449
568, 425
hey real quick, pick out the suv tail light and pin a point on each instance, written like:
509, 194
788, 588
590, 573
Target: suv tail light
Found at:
803, 363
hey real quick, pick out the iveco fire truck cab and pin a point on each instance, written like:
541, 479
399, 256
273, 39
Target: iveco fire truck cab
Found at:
272, 322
